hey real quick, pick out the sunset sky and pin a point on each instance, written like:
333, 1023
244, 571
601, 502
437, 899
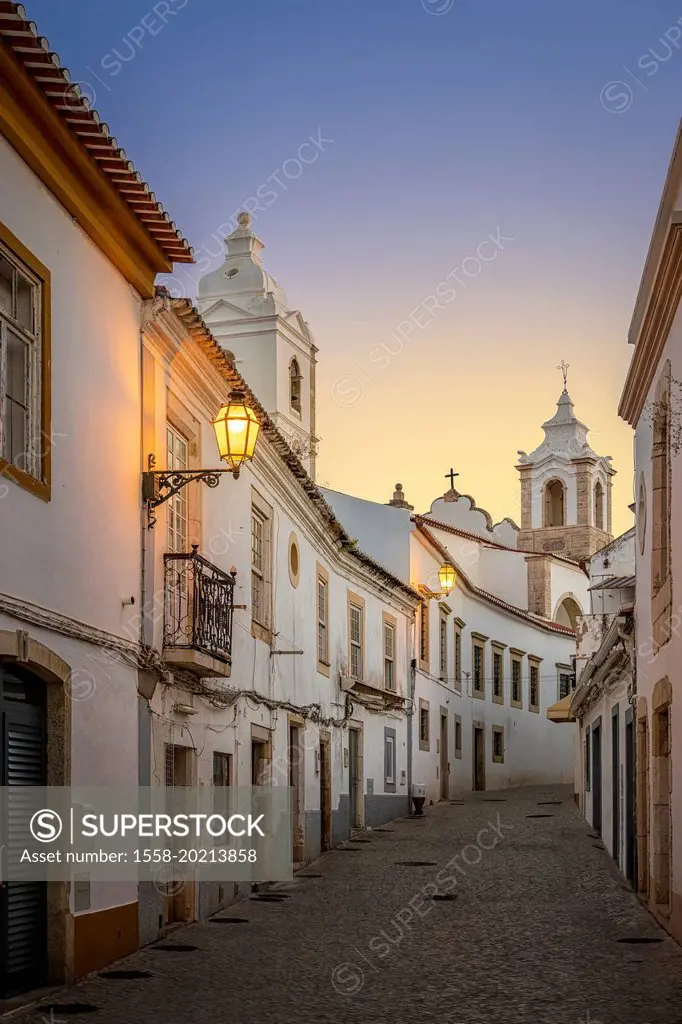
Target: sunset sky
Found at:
437, 124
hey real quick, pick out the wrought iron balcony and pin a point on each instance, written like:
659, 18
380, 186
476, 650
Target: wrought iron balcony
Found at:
198, 614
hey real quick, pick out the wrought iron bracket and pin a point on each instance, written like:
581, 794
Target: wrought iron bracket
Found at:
158, 485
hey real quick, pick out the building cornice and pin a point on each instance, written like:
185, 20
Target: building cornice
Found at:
656, 321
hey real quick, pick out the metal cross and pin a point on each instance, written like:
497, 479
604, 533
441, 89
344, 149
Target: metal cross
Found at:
563, 366
451, 477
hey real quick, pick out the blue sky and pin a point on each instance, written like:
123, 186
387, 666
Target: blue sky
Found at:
439, 129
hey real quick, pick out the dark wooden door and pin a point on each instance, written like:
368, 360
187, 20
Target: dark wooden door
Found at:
596, 778
353, 776
630, 781
479, 759
23, 762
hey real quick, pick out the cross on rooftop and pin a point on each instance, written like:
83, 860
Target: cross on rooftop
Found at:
451, 477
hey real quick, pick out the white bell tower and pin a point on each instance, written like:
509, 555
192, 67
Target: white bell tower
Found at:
565, 489
273, 347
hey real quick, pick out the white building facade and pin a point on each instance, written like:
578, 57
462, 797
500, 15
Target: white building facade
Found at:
76, 263
309, 686
604, 702
650, 404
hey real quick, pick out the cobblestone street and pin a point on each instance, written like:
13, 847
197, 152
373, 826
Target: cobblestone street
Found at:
534, 934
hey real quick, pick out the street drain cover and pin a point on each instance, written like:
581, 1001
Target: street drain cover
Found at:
67, 1009
362, 840
310, 876
456, 801
267, 899
639, 939
539, 815
347, 849
175, 948
228, 920
384, 830
124, 975
446, 897
495, 800
417, 863
549, 803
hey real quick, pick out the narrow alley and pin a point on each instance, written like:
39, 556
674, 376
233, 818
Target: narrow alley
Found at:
541, 929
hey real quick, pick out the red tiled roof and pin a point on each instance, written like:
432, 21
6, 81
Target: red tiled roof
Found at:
44, 67
521, 613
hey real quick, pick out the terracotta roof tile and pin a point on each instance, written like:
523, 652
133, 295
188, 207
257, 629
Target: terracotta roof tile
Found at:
44, 66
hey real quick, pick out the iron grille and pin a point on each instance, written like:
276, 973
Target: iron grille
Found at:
199, 606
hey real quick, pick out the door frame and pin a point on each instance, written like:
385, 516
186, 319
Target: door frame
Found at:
296, 759
20, 651
630, 797
359, 783
325, 791
444, 754
597, 780
478, 763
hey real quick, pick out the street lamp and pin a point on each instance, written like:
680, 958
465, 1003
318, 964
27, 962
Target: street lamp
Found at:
446, 578
236, 429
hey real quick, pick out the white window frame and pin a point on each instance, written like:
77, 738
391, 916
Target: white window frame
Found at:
389, 655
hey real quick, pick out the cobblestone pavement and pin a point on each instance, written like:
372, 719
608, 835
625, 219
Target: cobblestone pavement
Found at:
532, 935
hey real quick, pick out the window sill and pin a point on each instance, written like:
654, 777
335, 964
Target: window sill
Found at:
498, 699
424, 745
517, 704
458, 755
324, 668
498, 760
478, 694
261, 632
29, 483
534, 708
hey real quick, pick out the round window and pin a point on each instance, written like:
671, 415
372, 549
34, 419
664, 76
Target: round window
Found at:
641, 514
294, 561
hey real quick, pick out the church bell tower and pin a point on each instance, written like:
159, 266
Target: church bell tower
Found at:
565, 489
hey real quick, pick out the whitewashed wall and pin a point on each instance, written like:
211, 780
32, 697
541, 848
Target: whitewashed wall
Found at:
79, 554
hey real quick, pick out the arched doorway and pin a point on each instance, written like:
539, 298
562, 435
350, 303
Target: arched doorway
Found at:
567, 612
23, 762
555, 502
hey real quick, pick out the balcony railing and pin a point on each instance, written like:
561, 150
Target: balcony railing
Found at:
198, 613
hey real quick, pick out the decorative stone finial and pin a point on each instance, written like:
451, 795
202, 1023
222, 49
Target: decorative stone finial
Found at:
244, 220
398, 500
563, 366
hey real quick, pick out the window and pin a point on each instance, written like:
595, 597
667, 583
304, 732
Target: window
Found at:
458, 736
443, 646
566, 682
478, 664
295, 386
177, 458
424, 635
356, 635
222, 769
533, 685
389, 760
24, 362
498, 744
516, 666
498, 675
322, 620
424, 725
599, 506
458, 654
389, 653
554, 504
260, 568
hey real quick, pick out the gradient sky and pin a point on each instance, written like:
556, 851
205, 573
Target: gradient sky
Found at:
447, 128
